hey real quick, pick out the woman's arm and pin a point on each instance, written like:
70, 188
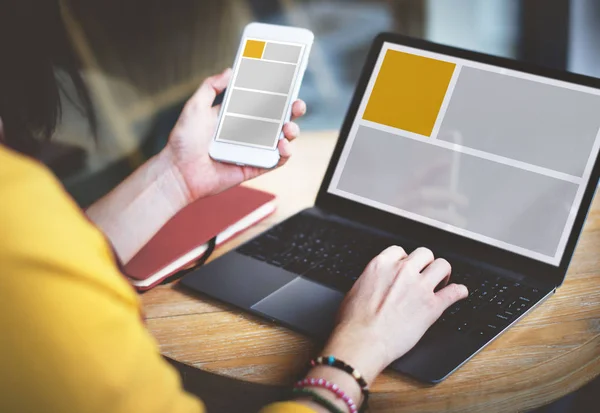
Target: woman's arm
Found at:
183, 172
136, 209
384, 315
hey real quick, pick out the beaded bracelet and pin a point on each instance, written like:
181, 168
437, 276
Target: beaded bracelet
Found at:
334, 388
317, 398
339, 364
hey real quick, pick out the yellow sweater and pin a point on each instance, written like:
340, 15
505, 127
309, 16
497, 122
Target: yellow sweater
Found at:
71, 331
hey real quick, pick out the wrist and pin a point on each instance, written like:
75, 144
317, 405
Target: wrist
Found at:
174, 186
359, 350
345, 386
137, 208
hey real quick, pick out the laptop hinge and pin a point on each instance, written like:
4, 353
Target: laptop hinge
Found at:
518, 277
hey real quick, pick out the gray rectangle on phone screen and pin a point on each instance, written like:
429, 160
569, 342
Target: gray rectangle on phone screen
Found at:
282, 52
520, 207
265, 76
533, 122
249, 131
262, 105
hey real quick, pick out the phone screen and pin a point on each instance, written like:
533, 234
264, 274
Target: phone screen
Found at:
256, 104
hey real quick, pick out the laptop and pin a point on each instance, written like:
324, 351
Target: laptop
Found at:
489, 162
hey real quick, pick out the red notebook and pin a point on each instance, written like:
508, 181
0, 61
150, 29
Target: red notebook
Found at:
184, 239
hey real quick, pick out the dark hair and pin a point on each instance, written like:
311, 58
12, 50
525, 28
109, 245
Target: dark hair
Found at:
33, 43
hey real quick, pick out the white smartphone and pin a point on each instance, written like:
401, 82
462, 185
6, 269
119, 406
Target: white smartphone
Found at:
267, 75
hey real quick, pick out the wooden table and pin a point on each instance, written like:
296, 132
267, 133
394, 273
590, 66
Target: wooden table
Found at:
552, 352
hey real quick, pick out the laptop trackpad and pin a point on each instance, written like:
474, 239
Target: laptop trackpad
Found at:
303, 305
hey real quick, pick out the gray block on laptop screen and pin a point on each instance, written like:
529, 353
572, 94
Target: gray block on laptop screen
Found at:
249, 131
265, 76
262, 105
505, 203
282, 52
520, 119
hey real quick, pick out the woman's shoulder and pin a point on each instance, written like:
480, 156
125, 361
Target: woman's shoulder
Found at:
24, 178
30, 194
16, 165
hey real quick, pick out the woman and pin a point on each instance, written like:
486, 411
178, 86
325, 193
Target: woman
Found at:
72, 331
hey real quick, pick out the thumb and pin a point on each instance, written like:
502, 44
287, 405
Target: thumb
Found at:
211, 87
451, 294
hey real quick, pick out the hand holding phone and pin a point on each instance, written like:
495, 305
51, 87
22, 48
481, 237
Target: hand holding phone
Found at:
187, 151
267, 75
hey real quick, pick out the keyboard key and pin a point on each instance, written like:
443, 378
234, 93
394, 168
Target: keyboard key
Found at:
297, 266
493, 328
454, 309
475, 306
463, 327
276, 262
473, 292
485, 332
520, 308
510, 315
499, 300
480, 332
502, 317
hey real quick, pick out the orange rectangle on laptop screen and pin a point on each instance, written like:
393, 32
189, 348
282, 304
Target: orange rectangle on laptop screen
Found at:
409, 92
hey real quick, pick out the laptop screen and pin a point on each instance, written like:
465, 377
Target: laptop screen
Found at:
492, 154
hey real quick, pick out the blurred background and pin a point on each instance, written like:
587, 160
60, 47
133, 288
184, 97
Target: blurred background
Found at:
143, 58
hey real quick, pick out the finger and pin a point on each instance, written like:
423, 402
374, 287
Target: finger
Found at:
251, 172
420, 258
285, 150
298, 109
451, 294
210, 88
380, 274
394, 252
437, 272
384, 264
291, 131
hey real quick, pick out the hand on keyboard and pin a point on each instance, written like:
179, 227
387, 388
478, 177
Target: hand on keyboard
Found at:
390, 307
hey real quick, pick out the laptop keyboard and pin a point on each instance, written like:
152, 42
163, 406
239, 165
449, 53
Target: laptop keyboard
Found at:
329, 252
336, 255
493, 303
